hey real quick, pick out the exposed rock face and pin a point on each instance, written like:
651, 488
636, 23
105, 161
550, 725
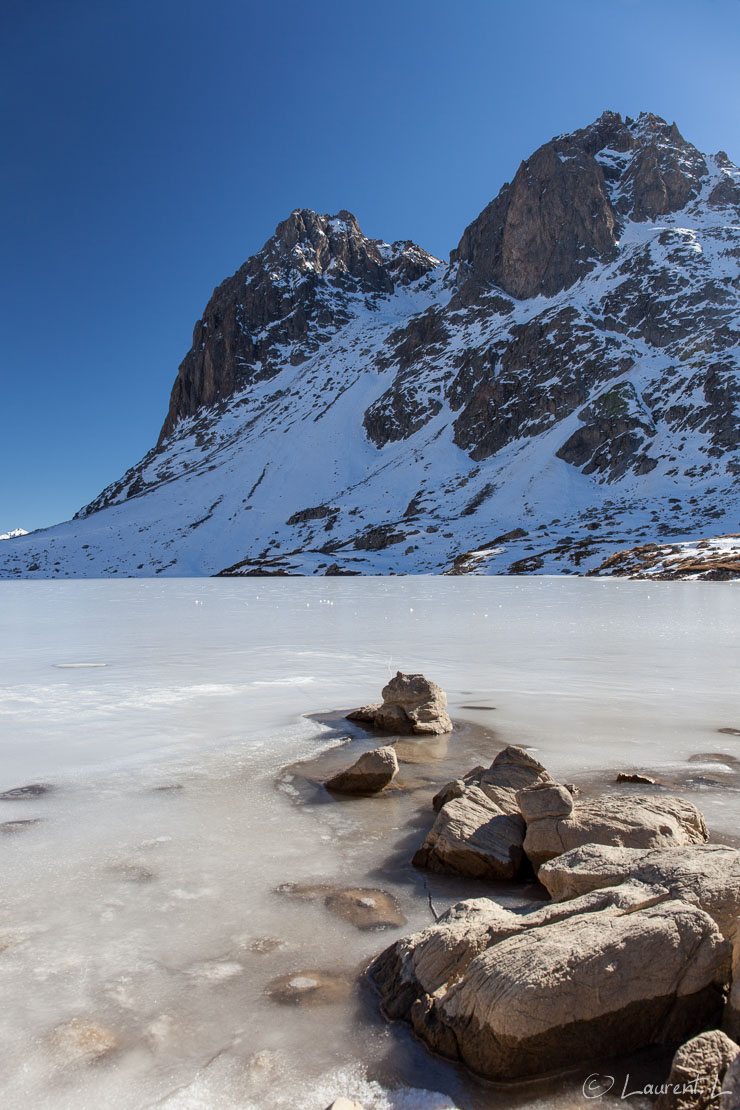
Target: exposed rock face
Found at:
697, 1073
587, 327
422, 963
545, 799
622, 973
294, 293
561, 214
479, 830
370, 774
715, 559
619, 820
474, 836
708, 875
411, 704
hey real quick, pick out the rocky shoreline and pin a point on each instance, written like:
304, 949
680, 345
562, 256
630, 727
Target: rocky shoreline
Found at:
622, 942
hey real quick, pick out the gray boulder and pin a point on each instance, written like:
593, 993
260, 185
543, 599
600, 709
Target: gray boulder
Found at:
707, 875
369, 775
511, 996
615, 819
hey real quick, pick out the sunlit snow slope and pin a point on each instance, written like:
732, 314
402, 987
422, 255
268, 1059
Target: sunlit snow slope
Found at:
566, 387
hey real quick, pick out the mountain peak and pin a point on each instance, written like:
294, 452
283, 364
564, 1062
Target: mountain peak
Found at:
284, 302
561, 215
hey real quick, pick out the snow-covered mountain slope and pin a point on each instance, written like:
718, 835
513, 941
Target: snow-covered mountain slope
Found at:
565, 388
13, 533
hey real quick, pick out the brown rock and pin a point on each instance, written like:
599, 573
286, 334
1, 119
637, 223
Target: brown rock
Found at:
731, 1023
473, 836
706, 874
369, 775
545, 799
697, 1073
601, 982
730, 1097
479, 830
83, 1041
366, 908
618, 820
411, 705
309, 988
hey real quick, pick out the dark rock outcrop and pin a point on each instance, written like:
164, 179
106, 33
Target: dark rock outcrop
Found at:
295, 292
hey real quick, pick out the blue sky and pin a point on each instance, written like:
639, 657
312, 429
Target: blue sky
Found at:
150, 146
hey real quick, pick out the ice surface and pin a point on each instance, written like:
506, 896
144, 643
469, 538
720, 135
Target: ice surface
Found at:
143, 906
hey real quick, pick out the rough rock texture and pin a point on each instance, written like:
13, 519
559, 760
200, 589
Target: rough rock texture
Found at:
730, 1098
370, 774
620, 820
292, 293
708, 875
697, 1073
473, 836
344, 1104
545, 799
624, 971
353, 406
479, 830
421, 963
411, 704
731, 1022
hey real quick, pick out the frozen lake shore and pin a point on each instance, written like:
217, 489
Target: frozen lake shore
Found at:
145, 899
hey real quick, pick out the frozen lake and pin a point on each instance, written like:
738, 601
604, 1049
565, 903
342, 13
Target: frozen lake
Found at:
143, 904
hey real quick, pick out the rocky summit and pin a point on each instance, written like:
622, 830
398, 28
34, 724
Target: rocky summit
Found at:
564, 389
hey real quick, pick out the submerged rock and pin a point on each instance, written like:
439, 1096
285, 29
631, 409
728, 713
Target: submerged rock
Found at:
641, 780
697, 1073
411, 704
83, 1041
369, 775
511, 997
264, 945
619, 820
363, 907
19, 793
18, 826
366, 908
479, 830
707, 875
309, 988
